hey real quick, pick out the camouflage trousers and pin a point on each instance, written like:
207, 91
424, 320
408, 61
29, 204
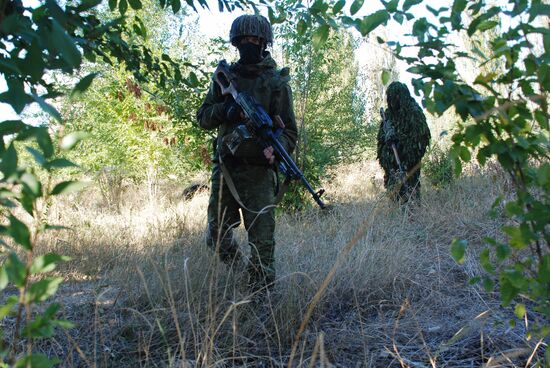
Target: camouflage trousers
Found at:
402, 193
256, 185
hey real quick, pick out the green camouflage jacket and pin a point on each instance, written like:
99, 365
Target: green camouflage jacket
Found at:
269, 86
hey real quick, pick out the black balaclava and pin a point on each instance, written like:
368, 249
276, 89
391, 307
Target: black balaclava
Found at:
250, 53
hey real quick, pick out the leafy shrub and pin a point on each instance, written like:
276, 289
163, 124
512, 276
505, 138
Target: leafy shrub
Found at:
438, 167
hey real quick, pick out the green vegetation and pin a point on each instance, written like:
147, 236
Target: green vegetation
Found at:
138, 87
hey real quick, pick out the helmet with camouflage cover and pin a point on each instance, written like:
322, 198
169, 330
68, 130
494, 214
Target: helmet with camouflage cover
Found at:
251, 25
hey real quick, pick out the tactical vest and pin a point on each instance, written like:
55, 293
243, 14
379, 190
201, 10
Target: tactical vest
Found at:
266, 89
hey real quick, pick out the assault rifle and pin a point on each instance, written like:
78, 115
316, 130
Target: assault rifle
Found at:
263, 129
389, 137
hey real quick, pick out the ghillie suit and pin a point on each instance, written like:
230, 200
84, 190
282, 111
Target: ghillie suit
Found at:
410, 134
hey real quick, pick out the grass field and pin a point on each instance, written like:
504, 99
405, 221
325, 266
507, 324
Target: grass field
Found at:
366, 284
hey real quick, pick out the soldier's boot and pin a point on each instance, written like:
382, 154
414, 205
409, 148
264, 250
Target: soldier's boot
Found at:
225, 247
260, 284
260, 279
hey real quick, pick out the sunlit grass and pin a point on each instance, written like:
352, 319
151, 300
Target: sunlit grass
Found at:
396, 296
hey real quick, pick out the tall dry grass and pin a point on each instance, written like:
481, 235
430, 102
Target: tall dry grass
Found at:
143, 289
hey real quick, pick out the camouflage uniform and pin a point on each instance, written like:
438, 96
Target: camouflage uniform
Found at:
254, 178
411, 136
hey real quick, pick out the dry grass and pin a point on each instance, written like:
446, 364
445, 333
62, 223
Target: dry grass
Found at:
144, 291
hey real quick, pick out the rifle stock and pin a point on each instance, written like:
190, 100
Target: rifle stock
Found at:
263, 127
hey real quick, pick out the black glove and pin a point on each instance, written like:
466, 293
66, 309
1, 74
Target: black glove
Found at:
233, 112
390, 136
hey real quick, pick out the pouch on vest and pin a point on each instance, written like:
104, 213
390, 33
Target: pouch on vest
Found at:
240, 142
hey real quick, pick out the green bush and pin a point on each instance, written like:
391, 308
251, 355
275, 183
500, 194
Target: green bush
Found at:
438, 167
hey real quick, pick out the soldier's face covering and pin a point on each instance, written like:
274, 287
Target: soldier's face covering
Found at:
250, 53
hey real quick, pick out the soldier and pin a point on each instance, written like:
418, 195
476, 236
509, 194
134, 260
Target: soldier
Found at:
247, 179
406, 130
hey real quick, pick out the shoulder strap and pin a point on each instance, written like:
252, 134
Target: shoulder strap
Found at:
233, 190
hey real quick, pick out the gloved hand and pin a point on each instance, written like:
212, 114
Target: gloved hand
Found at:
233, 112
390, 136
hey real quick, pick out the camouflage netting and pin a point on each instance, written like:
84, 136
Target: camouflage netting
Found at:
412, 134
251, 25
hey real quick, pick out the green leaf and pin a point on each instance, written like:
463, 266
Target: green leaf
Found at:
488, 284
544, 76
59, 163
66, 45
15, 96
459, 6
486, 25
72, 139
16, 270
539, 9
520, 310
37, 360
410, 3
4, 280
122, 7
8, 162
86, 5
399, 18
465, 154
37, 155
543, 176
47, 107
337, 8
320, 36
513, 208
458, 250
542, 119
520, 236
485, 261
83, 84
68, 187
507, 291
391, 6
544, 269
420, 28
356, 6
135, 4
31, 182
176, 5
370, 22
43, 289
301, 27
457, 166
385, 77
46, 263
56, 227
475, 280
20, 233
502, 252
33, 64
44, 141
27, 202
8, 127
193, 80
112, 4
10, 302
64, 324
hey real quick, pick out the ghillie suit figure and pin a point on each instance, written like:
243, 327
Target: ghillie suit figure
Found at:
406, 130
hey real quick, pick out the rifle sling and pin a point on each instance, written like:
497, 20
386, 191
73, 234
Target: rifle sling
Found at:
231, 185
